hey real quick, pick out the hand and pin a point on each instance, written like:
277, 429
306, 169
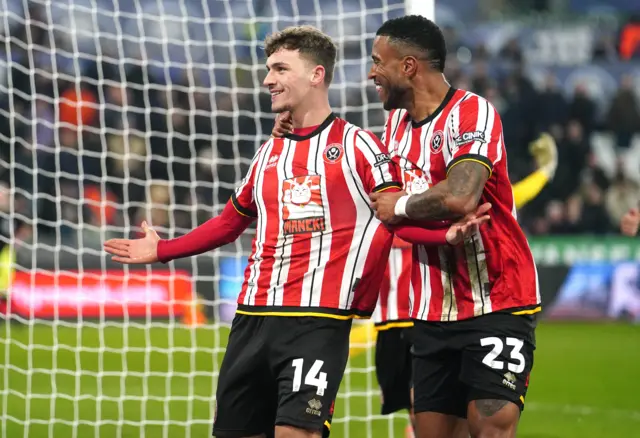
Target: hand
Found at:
468, 225
135, 251
630, 222
283, 125
384, 205
545, 153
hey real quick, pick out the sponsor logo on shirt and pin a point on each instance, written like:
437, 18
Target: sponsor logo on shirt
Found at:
303, 211
468, 137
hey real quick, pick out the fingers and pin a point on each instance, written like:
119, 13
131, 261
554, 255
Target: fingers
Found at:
123, 260
483, 209
117, 251
634, 212
374, 196
117, 244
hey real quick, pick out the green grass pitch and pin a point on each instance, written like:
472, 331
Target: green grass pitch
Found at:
159, 382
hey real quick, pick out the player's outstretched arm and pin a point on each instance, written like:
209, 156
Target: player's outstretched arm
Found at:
216, 232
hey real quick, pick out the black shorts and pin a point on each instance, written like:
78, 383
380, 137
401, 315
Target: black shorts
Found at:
393, 368
280, 370
487, 357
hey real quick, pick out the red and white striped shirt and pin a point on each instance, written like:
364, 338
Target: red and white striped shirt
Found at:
318, 247
492, 271
392, 309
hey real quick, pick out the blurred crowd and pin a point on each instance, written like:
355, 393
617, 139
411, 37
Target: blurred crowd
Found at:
109, 147
582, 198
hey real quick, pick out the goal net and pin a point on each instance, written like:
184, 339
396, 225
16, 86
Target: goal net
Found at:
117, 111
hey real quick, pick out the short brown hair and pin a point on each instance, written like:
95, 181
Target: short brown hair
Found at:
312, 43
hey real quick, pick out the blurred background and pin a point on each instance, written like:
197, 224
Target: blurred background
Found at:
117, 111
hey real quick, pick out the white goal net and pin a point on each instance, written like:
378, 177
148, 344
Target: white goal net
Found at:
117, 111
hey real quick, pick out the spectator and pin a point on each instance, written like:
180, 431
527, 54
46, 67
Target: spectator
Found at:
573, 152
593, 218
623, 117
583, 109
551, 106
622, 196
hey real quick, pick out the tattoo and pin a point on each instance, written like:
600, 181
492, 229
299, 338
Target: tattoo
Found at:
467, 178
453, 197
489, 408
430, 204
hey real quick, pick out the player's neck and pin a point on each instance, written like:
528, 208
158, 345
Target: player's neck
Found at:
312, 113
428, 95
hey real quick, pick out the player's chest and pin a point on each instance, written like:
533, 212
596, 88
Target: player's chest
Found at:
306, 177
421, 155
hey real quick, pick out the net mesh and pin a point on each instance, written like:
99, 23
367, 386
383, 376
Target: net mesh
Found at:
117, 111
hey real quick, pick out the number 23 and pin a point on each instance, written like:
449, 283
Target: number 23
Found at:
498, 346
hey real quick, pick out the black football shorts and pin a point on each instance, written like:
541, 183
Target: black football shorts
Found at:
486, 357
393, 368
280, 370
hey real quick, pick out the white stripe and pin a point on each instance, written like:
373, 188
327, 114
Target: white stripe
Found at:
453, 131
500, 147
484, 123
395, 270
425, 298
376, 316
478, 275
404, 147
369, 148
363, 235
319, 257
252, 283
449, 305
394, 122
282, 254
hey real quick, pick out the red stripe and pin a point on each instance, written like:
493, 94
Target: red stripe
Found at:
340, 203
270, 192
388, 129
461, 284
404, 283
496, 132
374, 264
248, 188
385, 290
300, 243
437, 287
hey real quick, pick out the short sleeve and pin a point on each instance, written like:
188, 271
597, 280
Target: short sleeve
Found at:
475, 133
243, 199
377, 171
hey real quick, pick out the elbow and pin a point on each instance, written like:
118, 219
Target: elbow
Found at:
463, 205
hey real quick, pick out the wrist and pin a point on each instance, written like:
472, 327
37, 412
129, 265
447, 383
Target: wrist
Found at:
449, 236
549, 169
161, 252
400, 208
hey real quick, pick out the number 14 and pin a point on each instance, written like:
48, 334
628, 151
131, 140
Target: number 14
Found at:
313, 378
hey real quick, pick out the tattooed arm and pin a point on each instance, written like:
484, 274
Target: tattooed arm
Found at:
456, 196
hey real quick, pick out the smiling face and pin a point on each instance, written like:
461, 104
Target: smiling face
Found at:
289, 79
387, 74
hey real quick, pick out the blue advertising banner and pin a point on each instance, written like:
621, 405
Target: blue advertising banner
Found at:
599, 291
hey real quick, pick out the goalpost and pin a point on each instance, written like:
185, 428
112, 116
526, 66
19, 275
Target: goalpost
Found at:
117, 111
